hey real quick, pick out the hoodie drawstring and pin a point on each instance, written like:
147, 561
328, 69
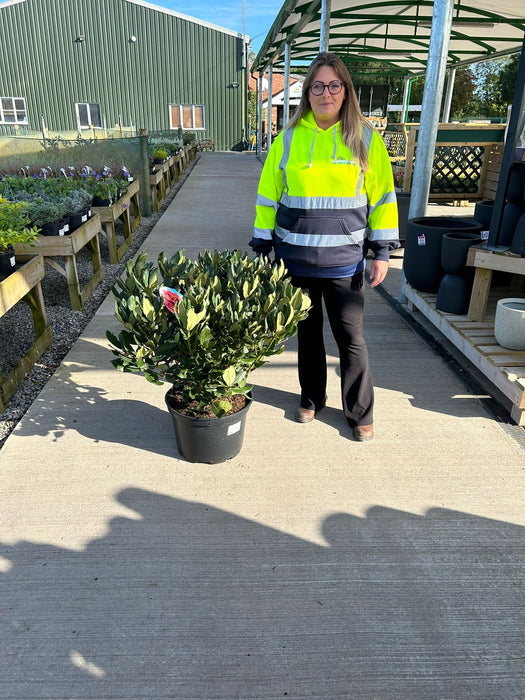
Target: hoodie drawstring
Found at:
334, 132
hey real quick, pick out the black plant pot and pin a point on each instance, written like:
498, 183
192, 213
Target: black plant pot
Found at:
422, 259
209, 440
50, 229
454, 249
518, 240
483, 213
7, 262
101, 201
511, 215
516, 186
454, 294
76, 221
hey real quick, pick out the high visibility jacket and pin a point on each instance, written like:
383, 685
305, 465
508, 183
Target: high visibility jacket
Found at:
315, 204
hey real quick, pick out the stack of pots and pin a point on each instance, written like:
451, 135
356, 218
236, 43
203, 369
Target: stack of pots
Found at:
423, 260
456, 285
512, 233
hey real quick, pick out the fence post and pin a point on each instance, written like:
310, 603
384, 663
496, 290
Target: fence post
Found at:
144, 174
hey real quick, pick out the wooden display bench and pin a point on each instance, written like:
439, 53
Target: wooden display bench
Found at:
486, 261
67, 247
175, 169
24, 284
158, 190
475, 340
127, 209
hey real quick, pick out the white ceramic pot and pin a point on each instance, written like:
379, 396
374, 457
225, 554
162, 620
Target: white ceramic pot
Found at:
509, 325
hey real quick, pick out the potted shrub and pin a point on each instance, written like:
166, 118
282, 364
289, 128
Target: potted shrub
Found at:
159, 155
78, 205
203, 326
14, 228
47, 214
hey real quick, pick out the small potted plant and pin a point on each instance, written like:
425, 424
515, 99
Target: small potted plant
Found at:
159, 155
48, 215
202, 327
14, 228
78, 204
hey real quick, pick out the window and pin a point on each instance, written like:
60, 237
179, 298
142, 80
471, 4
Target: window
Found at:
187, 116
88, 115
13, 110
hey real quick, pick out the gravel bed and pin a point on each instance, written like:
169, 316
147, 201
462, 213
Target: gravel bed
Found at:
16, 327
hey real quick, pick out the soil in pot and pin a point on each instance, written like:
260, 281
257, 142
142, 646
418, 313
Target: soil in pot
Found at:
210, 440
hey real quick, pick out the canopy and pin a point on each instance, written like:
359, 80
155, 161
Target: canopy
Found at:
393, 35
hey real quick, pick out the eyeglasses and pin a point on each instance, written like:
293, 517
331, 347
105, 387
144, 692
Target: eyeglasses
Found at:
334, 88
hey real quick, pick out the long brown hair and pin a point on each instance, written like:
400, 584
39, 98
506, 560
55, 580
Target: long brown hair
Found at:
352, 121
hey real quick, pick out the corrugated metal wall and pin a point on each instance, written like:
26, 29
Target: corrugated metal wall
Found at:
172, 61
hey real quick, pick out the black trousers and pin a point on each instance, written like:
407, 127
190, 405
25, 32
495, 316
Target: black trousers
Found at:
344, 302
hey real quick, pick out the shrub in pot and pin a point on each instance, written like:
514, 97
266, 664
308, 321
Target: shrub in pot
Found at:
228, 316
160, 155
14, 228
78, 203
48, 215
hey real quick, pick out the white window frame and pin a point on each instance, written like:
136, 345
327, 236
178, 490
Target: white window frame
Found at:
188, 128
90, 125
14, 110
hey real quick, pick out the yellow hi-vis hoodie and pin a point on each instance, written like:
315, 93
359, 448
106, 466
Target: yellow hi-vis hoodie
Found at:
316, 206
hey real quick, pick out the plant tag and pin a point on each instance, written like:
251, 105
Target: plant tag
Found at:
234, 428
484, 235
421, 239
12, 261
61, 232
84, 218
89, 213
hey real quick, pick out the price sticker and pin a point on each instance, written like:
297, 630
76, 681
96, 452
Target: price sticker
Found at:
484, 235
421, 239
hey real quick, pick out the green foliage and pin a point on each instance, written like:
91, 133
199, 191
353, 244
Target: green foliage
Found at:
14, 224
160, 154
46, 210
235, 313
188, 137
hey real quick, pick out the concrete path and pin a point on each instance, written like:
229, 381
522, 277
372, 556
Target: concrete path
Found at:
310, 566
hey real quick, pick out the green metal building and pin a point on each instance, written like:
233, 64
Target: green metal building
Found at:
96, 67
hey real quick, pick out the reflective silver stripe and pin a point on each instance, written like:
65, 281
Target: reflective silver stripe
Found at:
265, 233
265, 202
356, 202
384, 234
319, 241
367, 136
287, 140
388, 198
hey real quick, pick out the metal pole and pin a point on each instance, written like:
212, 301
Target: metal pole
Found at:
325, 25
259, 125
269, 109
286, 103
406, 97
448, 96
432, 94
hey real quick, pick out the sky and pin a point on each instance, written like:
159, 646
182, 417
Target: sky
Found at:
259, 14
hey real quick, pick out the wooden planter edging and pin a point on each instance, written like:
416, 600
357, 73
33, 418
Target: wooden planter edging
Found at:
24, 284
475, 340
67, 247
158, 189
127, 209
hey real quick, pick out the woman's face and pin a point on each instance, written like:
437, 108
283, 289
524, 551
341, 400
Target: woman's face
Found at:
326, 107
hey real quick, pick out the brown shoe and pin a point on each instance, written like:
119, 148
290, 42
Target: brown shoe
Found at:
362, 433
304, 415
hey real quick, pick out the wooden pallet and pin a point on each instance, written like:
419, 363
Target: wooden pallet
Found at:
475, 339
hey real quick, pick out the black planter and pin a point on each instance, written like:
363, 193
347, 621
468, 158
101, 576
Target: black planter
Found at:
511, 215
7, 262
101, 201
50, 229
518, 240
454, 249
454, 294
209, 440
422, 259
516, 186
403, 205
483, 213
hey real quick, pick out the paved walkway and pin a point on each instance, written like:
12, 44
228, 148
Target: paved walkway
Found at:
310, 566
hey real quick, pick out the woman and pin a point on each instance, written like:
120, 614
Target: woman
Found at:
326, 197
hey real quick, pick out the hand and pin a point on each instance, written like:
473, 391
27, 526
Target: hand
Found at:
378, 271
